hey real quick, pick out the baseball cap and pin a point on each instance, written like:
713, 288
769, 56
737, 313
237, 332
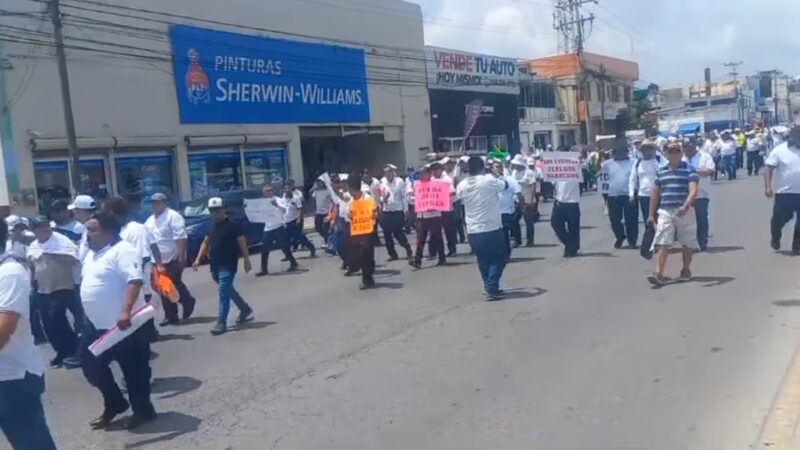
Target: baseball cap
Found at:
674, 145
13, 220
215, 202
39, 221
649, 143
83, 202
158, 197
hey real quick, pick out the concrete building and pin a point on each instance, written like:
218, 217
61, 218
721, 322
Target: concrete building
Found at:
704, 114
474, 95
193, 97
543, 120
592, 89
771, 90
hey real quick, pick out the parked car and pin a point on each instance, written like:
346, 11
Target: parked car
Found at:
198, 219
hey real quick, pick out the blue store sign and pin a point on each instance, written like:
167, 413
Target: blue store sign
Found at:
223, 77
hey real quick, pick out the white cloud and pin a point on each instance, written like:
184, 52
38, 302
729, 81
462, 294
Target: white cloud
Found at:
673, 41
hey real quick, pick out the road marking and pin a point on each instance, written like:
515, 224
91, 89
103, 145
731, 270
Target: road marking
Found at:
779, 431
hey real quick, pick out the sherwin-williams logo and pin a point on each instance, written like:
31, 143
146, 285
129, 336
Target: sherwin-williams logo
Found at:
197, 87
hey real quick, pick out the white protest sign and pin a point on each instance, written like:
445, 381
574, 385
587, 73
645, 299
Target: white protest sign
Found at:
261, 210
561, 166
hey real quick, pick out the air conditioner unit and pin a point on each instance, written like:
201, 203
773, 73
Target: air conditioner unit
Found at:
562, 117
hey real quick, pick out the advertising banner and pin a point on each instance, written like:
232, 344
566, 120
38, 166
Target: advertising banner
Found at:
561, 166
451, 69
223, 77
432, 195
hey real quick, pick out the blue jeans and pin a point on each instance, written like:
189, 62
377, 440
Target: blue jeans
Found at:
490, 249
22, 416
224, 279
701, 213
730, 166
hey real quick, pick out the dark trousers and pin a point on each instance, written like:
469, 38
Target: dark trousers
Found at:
566, 222
718, 167
490, 250
644, 207
321, 226
785, 208
37, 329
60, 333
362, 257
75, 308
297, 237
701, 216
276, 239
457, 217
392, 223
175, 272
510, 230
739, 157
429, 230
411, 218
133, 356
754, 162
529, 214
449, 226
22, 415
624, 218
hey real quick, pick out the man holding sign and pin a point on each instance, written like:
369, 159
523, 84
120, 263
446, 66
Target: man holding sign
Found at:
430, 198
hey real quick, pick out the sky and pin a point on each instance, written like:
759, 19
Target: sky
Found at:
672, 40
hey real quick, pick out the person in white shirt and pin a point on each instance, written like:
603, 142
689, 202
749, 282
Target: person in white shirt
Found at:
168, 228
622, 213
111, 293
565, 218
19, 238
510, 199
703, 163
22, 417
429, 227
643, 176
755, 146
138, 236
54, 257
480, 193
322, 204
785, 161
712, 147
526, 179
448, 219
275, 235
393, 211
727, 150
293, 219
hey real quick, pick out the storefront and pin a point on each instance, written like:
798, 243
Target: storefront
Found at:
474, 96
230, 108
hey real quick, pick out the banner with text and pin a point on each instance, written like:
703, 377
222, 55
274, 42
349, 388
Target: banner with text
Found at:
561, 166
223, 77
362, 216
455, 70
432, 195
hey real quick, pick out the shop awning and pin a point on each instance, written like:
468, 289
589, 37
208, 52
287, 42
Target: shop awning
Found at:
691, 127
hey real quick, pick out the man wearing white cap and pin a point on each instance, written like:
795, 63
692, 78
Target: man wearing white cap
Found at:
169, 230
393, 199
527, 182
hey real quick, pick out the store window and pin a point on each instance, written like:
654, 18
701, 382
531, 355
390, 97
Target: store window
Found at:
500, 140
215, 171
542, 139
52, 180
478, 143
263, 167
139, 177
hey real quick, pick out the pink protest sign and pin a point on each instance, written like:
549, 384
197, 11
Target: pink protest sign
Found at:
433, 195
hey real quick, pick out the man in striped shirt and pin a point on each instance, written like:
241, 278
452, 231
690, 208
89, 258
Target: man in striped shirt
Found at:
672, 197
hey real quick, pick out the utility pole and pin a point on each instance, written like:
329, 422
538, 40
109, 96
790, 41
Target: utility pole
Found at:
739, 107
569, 22
66, 99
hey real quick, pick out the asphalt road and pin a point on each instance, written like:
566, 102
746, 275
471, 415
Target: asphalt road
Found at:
584, 355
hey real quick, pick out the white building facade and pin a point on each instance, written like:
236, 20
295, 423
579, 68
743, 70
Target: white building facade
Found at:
194, 98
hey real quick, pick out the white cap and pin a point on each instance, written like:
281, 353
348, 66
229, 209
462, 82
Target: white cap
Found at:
13, 220
464, 159
518, 160
83, 202
531, 161
215, 202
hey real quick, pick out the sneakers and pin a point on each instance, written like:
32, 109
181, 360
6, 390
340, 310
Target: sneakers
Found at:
245, 316
493, 297
219, 328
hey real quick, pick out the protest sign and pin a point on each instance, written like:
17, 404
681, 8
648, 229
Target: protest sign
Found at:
361, 216
561, 166
433, 195
261, 210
